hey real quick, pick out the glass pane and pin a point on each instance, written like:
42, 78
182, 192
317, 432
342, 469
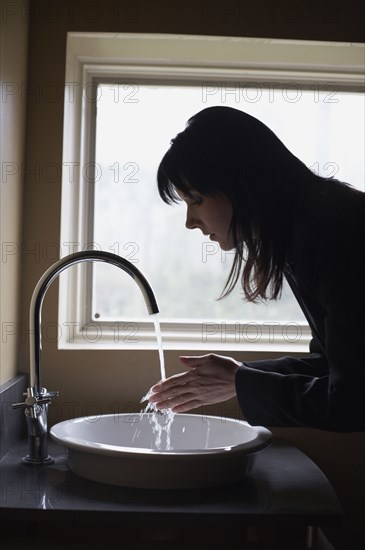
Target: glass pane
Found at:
186, 271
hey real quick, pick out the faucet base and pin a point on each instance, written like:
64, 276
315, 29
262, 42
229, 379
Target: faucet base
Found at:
37, 461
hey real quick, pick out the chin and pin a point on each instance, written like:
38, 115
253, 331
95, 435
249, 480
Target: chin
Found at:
226, 247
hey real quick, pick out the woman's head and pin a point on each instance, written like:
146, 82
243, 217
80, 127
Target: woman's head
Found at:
228, 155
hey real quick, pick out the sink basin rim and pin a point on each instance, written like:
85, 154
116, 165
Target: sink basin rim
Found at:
261, 439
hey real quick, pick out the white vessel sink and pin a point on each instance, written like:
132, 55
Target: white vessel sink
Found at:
120, 449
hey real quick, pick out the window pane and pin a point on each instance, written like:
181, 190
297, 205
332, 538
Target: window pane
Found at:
186, 271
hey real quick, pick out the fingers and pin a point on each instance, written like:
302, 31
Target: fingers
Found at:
183, 378
165, 394
187, 406
179, 403
195, 360
210, 379
175, 393
177, 380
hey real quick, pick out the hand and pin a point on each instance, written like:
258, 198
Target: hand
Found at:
210, 379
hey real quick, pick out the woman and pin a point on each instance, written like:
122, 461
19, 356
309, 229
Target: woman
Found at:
244, 189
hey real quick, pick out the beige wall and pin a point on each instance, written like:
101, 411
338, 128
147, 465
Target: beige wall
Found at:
14, 54
109, 380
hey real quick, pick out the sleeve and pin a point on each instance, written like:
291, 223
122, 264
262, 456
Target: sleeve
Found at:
315, 364
324, 390
291, 392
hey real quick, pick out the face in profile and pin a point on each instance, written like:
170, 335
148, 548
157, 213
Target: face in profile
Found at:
212, 215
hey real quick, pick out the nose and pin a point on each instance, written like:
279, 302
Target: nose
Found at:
191, 222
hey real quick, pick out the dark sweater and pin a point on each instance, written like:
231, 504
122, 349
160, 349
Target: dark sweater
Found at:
326, 271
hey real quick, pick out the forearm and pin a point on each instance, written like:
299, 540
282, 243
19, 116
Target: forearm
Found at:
314, 364
272, 398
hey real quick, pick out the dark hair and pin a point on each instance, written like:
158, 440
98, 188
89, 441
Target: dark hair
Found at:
226, 151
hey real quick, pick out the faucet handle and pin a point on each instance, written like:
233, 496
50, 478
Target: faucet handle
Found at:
29, 404
20, 405
51, 394
44, 393
31, 400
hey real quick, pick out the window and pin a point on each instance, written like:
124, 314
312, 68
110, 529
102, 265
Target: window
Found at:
126, 115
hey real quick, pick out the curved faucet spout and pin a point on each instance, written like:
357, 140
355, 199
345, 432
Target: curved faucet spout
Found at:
50, 275
37, 398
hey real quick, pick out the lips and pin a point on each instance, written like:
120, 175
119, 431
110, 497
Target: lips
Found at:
212, 236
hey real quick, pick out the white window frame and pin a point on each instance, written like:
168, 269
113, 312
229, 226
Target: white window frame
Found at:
212, 60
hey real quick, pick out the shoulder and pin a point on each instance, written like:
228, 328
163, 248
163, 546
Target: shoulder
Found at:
328, 243
334, 216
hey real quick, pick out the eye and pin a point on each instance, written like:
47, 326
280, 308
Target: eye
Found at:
197, 201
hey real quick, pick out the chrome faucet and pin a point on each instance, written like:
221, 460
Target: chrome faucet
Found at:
38, 398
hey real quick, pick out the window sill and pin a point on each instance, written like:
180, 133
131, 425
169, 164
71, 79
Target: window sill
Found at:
279, 337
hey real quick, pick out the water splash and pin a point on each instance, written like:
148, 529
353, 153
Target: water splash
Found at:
161, 422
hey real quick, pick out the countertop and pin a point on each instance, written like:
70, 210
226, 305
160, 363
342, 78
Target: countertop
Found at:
283, 488
282, 482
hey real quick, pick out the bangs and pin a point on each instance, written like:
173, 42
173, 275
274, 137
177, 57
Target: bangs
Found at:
170, 179
189, 165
